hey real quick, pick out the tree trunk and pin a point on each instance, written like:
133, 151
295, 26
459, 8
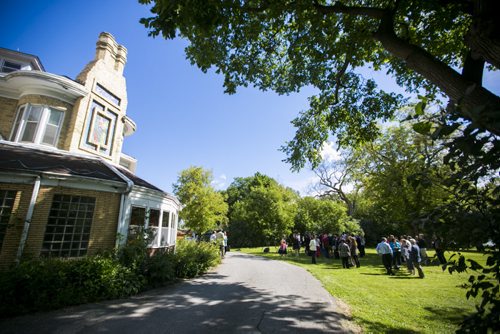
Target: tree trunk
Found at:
468, 96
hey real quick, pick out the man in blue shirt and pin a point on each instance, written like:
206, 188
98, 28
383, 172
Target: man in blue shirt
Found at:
384, 249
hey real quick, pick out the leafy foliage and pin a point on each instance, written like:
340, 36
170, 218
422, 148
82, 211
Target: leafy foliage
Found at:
204, 208
323, 215
261, 211
45, 284
289, 44
194, 258
485, 284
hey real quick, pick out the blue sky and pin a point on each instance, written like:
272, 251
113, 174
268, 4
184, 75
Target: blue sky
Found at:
183, 117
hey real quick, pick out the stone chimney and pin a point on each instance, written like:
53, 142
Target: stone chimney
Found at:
111, 53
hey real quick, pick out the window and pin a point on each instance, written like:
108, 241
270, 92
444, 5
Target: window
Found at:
154, 221
37, 124
100, 129
67, 232
137, 219
107, 94
7, 66
7, 198
164, 228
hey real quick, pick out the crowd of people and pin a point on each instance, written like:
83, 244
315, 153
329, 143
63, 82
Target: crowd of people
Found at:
394, 252
348, 248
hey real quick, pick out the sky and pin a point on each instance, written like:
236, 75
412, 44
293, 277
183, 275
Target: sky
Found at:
183, 116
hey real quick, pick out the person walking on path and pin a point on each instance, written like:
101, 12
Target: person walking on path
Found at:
313, 247
384, 249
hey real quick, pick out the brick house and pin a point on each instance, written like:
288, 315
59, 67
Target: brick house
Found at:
66, 188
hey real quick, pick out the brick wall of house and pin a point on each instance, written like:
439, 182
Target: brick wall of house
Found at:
7, 115
102, 233
18, 215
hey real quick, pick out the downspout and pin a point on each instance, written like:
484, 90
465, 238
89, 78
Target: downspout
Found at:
124, 195
27, 221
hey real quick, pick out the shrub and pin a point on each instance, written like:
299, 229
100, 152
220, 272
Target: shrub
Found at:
195, 258
159, 269
44, 284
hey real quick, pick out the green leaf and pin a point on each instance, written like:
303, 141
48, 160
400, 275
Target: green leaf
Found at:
423, 128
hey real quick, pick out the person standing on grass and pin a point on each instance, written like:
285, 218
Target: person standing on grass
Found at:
353, 246
422, 244
283, 248
438, 246
416, 258
360, 240
384, 249
396, 251
345, 254
405, 250
313, 247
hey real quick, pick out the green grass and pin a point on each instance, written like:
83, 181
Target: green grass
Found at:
388, 304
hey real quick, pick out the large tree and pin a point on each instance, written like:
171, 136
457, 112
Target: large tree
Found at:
203, 207
261, 211
323, 216
439, 46
403, 183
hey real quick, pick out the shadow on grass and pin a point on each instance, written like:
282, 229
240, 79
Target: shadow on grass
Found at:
377, 327
452, 314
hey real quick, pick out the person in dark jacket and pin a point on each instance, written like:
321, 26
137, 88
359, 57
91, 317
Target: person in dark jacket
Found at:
416, 258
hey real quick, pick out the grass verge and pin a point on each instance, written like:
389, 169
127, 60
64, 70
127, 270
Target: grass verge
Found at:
388, 304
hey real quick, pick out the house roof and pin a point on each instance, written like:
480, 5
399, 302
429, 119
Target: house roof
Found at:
22, 159
24, 57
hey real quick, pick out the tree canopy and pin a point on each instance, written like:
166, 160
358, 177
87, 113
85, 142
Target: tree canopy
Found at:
436, 46
203, 207
261, 211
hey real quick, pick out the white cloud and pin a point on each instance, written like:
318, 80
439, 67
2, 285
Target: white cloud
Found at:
219, 183
329, 152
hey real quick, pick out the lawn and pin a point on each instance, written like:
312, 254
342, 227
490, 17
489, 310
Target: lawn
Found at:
390, 304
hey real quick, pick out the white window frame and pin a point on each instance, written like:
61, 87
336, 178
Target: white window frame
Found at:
23, 66
21, 120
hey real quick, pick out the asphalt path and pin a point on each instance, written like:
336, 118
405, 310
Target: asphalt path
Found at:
245, 294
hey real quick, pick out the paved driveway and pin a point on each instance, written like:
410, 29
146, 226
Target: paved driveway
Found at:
245, 294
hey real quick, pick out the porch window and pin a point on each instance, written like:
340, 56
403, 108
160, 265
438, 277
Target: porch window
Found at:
165, 228
137, 220
68, 229
154, 222
37, 124
7, 198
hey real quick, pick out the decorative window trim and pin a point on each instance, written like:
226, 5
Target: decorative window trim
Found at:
89, 142
107, 95
99, 112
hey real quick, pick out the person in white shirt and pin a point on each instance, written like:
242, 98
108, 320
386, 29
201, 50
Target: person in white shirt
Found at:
384, 249
312, 248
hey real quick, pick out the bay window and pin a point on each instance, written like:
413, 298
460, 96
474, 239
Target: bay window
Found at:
37, 124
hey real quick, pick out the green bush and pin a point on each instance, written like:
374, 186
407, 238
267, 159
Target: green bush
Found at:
159, 269
194, 258
44, 284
